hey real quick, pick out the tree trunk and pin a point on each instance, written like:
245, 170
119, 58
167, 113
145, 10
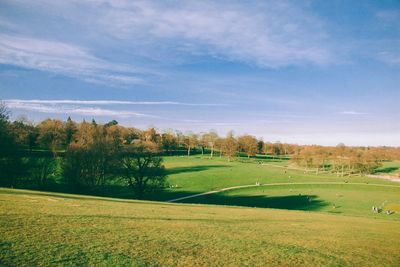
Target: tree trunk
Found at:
188, 151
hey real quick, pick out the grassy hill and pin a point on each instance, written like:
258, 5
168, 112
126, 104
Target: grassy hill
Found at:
303, 218
38, 228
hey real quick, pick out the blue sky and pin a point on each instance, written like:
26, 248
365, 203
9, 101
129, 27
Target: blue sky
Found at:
307, 72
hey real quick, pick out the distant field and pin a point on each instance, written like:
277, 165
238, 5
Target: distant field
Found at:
197, 174
59, 229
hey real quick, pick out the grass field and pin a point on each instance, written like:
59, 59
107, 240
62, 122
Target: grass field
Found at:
58, 229
316, 223
389, 168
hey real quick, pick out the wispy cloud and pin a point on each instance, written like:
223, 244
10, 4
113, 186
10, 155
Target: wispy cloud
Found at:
267, 33
352, 112
63, 58
84, 111
103, 102
390, 57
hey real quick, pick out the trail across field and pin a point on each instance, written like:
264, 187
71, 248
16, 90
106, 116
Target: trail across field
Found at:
277, 184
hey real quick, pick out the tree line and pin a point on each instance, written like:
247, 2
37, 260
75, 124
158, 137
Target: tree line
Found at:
84, 156
344, 160
89, 155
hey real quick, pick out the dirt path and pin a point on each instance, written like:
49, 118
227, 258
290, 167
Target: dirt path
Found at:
276, 184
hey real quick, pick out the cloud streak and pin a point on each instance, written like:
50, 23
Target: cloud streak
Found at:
63, 58
103, 102
84, 111
352, 112
266, 33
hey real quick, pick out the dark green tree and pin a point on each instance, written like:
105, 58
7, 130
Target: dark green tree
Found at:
142, 168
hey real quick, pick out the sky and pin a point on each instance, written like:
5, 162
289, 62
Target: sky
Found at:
305, 72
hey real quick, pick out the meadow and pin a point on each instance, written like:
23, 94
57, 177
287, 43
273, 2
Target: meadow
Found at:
294, 217
50, 229
282, 186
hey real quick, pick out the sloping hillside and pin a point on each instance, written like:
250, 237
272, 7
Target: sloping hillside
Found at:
38, 228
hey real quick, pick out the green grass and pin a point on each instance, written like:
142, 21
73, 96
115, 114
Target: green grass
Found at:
389, 168
49, 229
294, 224
345, 199
198, 174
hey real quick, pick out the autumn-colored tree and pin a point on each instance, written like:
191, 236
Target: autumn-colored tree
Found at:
267, 149
249, 144
191, 141
168, 141
90, 161
151, 135
231, 146
115, 134
210, 140
131, 135
21, 129
51, 134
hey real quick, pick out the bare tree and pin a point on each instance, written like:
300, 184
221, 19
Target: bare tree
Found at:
191, 141
210, 139
142, 168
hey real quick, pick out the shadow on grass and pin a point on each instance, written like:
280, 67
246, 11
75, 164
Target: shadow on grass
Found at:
193, 168
289, 202
386, 170
274, 158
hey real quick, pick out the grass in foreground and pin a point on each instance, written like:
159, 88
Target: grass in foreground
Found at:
59, 229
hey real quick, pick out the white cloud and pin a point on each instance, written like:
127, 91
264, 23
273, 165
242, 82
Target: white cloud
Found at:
270, 34
265, 33
352, 112
62, 58
84, 111
102, 102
